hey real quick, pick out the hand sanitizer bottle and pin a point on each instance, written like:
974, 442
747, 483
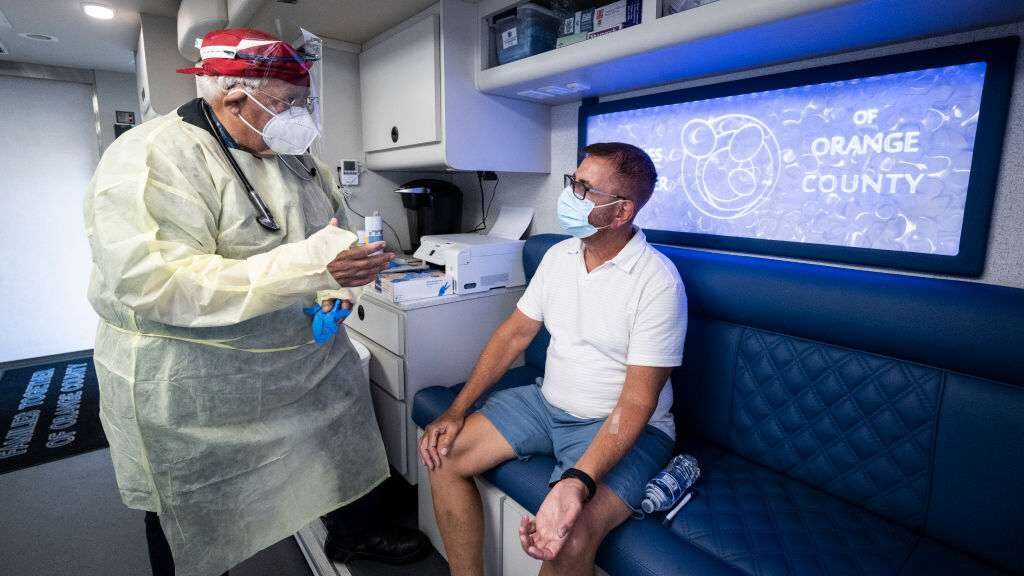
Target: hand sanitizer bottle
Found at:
374, 228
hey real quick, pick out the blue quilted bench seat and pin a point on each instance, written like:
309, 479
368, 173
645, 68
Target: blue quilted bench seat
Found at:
847, 423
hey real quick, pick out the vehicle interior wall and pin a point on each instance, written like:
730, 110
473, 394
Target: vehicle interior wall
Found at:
114, 91
1005, 260
45, 179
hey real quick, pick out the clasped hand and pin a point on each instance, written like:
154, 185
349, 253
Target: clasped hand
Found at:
543, 537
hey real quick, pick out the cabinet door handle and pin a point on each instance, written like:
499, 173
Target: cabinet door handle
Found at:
361, 312
394, 134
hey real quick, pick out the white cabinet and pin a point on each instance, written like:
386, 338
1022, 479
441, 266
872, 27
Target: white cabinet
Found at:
421, 108
396, 117
420, 344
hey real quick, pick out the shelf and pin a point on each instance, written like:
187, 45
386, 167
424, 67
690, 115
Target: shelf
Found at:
725, 36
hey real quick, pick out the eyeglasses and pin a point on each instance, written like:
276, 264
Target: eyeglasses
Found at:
307, 102
580, 190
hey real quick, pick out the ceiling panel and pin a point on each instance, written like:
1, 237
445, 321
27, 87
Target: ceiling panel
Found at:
351, 20
82, 42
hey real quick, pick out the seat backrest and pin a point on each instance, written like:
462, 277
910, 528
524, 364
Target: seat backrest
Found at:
901, 394
533, 253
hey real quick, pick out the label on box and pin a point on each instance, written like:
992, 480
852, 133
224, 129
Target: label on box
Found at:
603, 32
634, 13
567, 40
617, 15
586, 18
610, 16
568, 26
578, 24
412, 286
509, 38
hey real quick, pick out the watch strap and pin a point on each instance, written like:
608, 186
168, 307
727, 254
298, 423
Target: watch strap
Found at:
583, 477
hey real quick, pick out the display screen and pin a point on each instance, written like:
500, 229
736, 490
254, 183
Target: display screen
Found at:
878, 162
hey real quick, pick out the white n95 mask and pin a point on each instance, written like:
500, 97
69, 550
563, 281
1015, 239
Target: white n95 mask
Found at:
574, 214
291, 132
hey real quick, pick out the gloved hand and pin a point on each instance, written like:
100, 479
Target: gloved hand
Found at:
325, 323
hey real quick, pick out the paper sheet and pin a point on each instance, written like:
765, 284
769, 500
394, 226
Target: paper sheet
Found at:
512, 222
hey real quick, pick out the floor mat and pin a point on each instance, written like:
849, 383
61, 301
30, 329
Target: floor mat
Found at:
48, 412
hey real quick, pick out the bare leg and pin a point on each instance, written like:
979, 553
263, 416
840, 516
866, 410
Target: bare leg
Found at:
599, 517
478, 447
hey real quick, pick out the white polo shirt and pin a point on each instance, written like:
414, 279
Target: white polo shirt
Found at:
630, 310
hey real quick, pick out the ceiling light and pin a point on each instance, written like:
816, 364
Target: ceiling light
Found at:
98, 11
38, 36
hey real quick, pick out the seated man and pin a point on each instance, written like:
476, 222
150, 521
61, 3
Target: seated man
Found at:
616, 311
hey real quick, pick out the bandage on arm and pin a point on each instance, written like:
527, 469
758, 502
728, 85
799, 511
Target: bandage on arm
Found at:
627, 421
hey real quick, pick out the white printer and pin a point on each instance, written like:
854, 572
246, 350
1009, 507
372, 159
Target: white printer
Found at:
475, 262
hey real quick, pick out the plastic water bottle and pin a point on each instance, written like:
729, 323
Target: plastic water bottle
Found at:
669, 485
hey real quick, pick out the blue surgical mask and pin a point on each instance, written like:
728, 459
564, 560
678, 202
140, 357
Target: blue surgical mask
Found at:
574, 214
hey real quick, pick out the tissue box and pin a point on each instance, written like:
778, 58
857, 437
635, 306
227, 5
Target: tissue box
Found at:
616, 16
406, 286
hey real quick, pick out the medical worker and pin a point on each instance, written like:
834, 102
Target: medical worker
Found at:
211, 229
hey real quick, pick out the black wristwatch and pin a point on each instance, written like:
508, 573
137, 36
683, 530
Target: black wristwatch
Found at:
582, 476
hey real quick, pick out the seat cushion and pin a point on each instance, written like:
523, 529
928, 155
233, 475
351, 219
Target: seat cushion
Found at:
636, 548
767, 524
429, 403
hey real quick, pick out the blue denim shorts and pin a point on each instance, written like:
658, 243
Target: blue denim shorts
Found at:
532, 426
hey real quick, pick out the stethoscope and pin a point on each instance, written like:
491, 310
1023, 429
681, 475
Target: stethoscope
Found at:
263, 215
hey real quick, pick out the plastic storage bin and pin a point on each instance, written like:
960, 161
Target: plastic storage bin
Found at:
530, 30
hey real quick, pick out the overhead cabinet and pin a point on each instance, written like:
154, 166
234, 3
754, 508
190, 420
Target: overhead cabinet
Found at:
422, 111
401, 88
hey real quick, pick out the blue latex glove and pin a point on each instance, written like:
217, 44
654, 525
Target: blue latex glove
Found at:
325, 324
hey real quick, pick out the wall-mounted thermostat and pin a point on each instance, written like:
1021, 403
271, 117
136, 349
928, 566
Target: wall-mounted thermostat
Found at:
348, 172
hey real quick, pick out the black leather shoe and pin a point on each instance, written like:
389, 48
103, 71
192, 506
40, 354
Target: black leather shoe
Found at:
391, 545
